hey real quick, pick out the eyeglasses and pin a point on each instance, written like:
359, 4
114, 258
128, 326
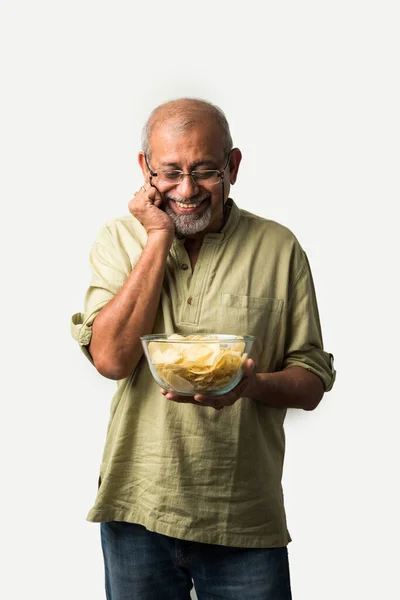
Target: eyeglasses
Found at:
206, 177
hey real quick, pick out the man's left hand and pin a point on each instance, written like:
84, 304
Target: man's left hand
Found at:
218, 402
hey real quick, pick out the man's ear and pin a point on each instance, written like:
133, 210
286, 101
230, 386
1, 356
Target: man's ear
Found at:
143, 166
234, 162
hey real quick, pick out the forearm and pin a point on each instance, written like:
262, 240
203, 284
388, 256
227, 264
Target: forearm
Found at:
115, 345
294, 387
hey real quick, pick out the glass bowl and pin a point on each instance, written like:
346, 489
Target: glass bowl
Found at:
197, 364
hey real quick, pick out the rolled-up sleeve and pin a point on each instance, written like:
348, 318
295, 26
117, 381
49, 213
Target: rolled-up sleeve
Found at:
81, 329
110, 266
304, 344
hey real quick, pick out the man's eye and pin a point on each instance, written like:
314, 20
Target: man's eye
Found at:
172, 175
204, 174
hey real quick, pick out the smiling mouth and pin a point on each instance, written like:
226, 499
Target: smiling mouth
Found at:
186, 204
186, 207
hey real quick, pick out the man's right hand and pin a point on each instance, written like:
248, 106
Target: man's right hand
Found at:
145, 206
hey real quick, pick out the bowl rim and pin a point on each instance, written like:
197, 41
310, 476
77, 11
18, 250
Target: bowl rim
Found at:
221, 337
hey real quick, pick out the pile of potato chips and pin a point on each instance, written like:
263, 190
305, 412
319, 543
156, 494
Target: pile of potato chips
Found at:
197, 367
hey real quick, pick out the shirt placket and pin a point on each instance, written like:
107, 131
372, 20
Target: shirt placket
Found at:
192, 283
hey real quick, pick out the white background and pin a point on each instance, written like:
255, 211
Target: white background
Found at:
311, 91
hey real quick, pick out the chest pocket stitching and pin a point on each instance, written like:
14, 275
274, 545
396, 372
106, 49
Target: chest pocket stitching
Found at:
251, 302
255, 307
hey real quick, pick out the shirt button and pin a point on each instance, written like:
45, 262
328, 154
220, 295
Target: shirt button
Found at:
190, 300
184, 266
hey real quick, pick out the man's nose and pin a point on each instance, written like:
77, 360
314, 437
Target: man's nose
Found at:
187, 188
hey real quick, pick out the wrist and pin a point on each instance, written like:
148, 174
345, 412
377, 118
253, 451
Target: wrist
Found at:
258, 387
252, 390
161, 236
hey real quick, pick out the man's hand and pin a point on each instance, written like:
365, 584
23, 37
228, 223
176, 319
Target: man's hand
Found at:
145, 206
218, 402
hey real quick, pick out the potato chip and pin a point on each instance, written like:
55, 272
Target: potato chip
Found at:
186, 367
177, 382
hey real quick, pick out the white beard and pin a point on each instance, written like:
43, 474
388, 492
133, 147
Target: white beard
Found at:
192, 223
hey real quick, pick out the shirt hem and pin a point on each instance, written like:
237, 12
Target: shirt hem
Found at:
267, 540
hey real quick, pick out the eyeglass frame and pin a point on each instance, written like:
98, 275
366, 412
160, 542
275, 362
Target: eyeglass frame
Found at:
220, 173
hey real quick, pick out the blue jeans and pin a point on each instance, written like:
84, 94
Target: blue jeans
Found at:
142, 565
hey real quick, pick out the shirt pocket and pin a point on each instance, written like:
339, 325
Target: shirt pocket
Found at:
252, 315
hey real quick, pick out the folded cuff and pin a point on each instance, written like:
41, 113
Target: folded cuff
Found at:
81, 328
323, 369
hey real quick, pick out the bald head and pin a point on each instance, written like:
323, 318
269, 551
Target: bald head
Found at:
182, 115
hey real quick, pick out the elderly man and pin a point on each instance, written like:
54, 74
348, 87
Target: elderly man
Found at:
190, 487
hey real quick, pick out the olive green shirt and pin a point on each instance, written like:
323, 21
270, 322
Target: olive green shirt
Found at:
189, 471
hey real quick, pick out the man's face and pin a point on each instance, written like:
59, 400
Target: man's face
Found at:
195, 208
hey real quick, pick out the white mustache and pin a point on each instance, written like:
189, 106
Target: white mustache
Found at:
193, 200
